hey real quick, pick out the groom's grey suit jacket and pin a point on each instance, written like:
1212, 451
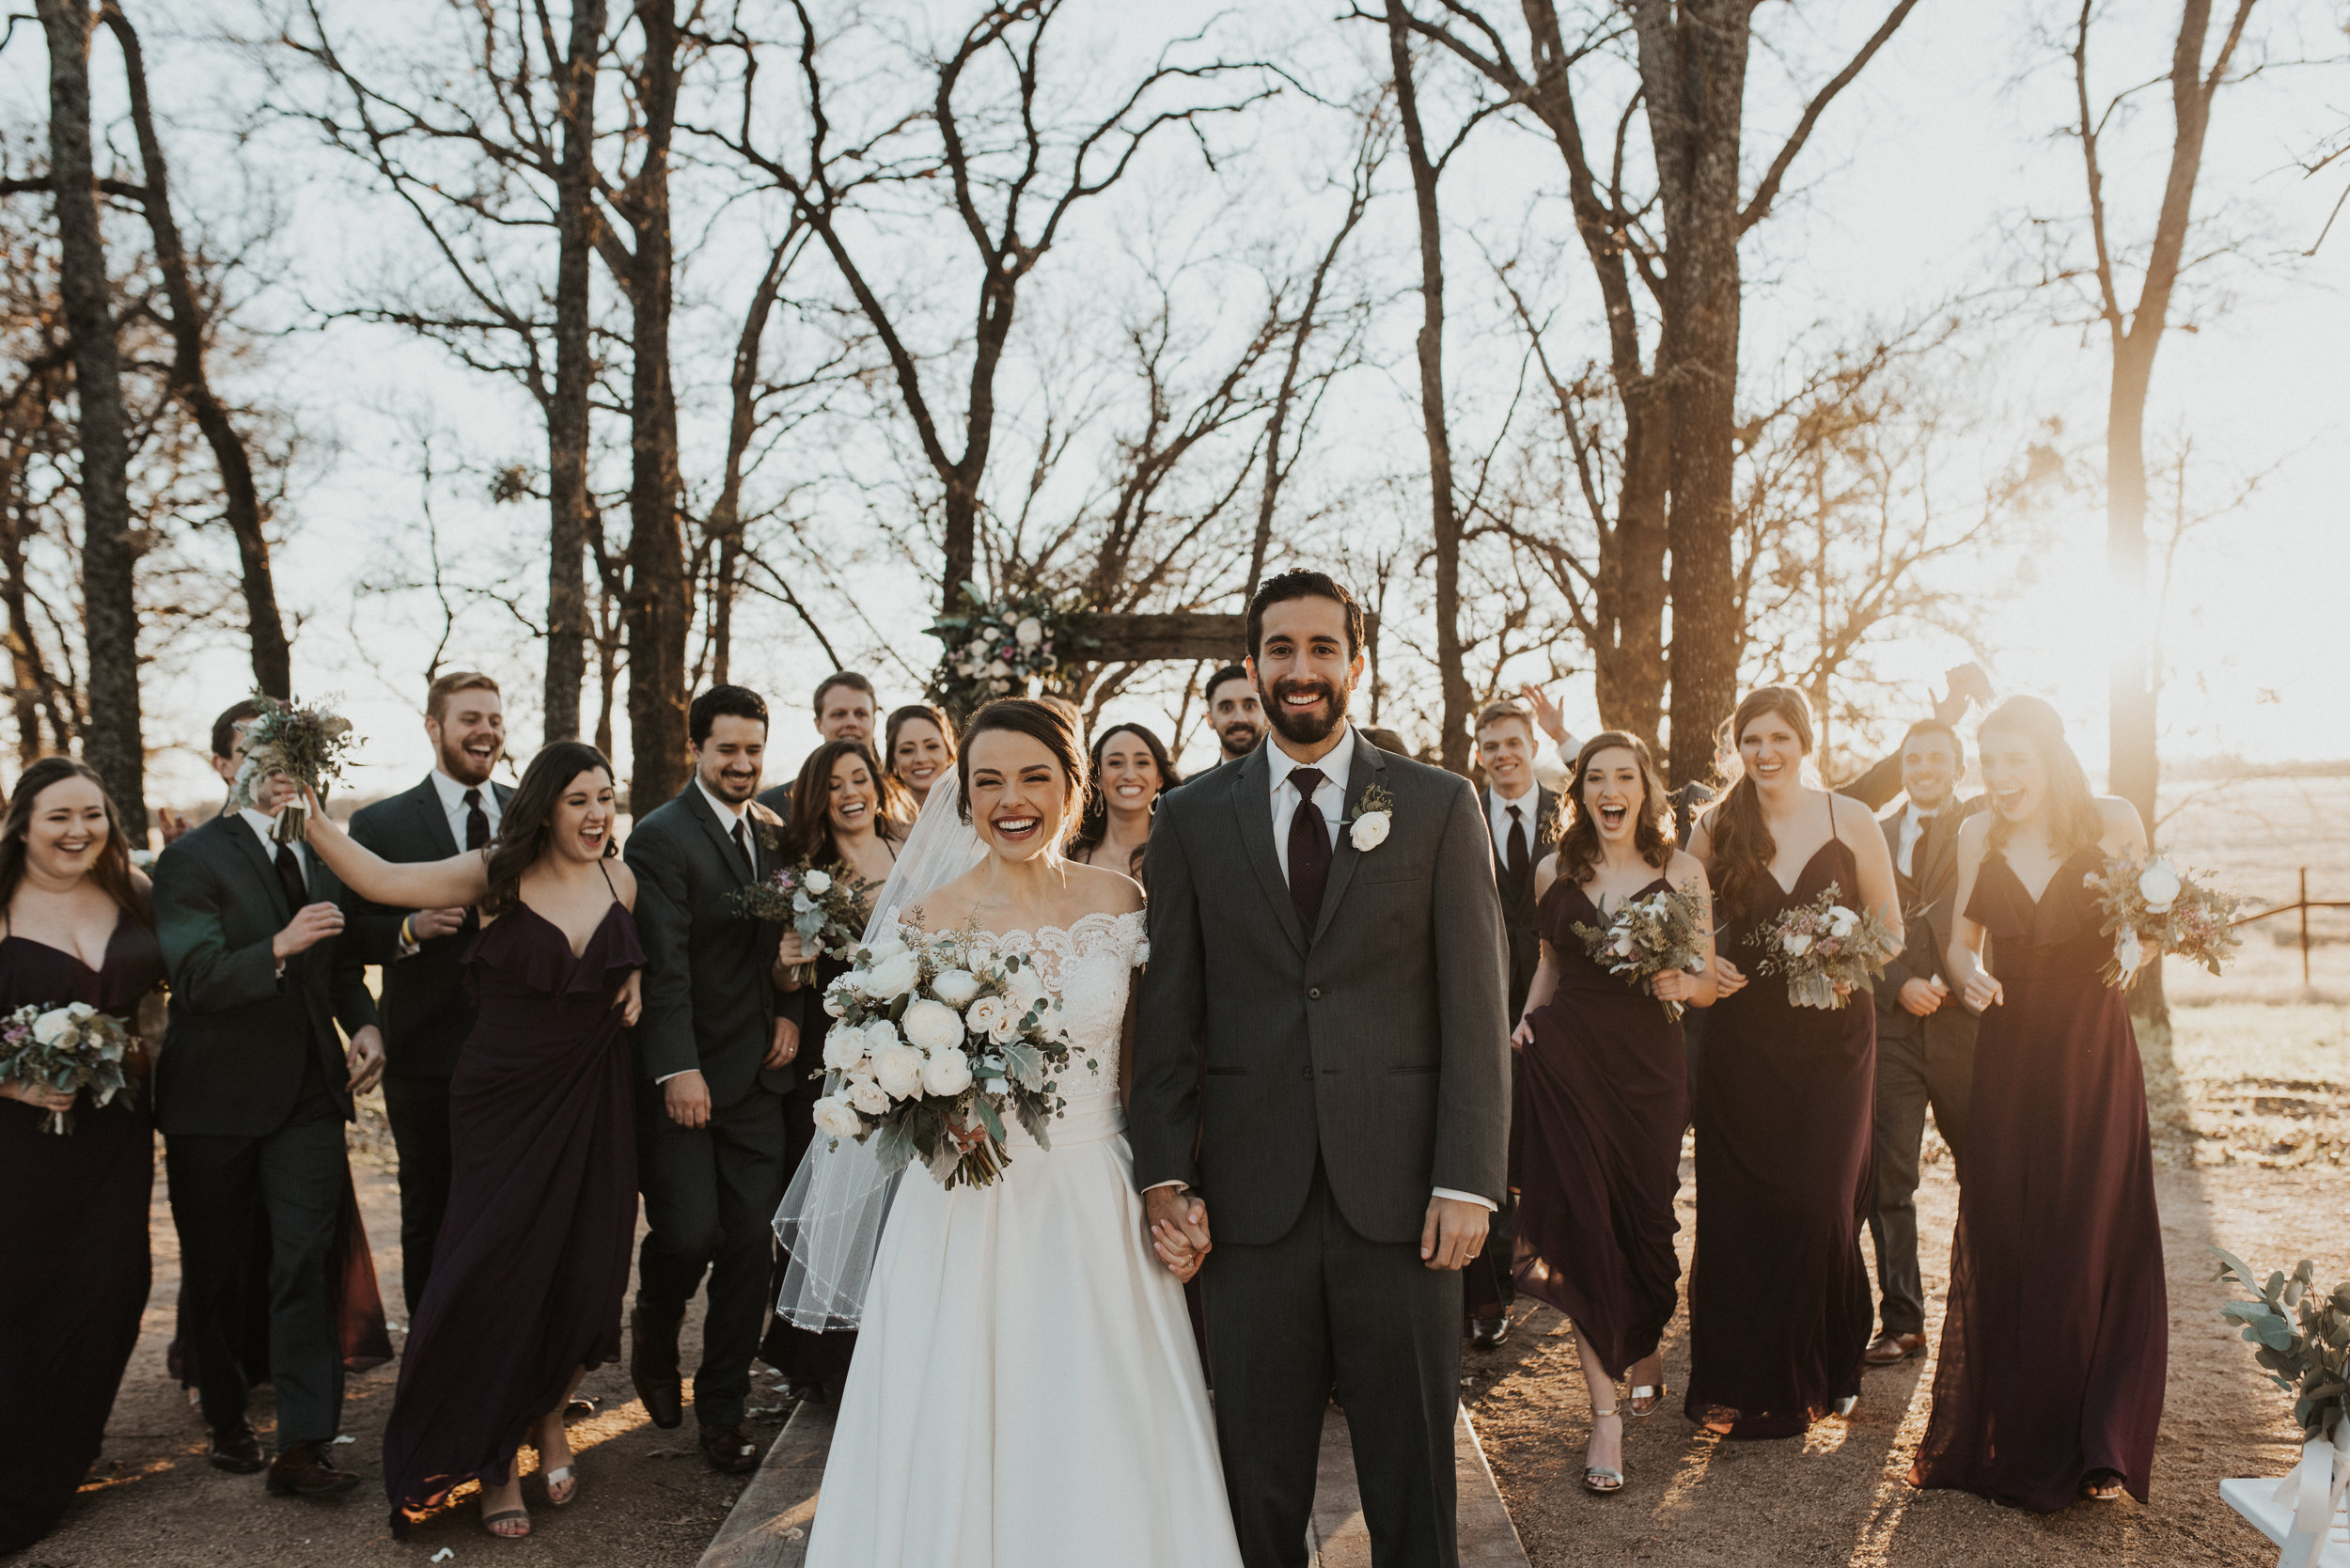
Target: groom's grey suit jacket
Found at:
1377, 1041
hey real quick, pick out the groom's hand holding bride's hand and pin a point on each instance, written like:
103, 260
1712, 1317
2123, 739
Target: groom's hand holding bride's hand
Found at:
1179, 1230
1454, 1231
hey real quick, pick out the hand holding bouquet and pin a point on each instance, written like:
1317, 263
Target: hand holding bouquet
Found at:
309, 746
932, 1045
1825, 948
825, 907
2154, 907
65, 1050
1650, 936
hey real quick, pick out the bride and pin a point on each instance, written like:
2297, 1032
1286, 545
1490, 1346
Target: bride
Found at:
1026, 1388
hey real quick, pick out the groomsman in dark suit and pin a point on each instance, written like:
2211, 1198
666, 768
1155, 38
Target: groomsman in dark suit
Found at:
1520, 816
714, 1049
250, 1093
845, 706
1925, 1038
427, 1014
1962, 685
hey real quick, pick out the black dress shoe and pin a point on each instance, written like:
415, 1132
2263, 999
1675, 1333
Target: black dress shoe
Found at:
1485, 1333
653, 1369
301, 1471
236, 1449
727, 1450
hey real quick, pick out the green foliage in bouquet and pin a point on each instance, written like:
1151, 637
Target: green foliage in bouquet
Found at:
2156, 907
310, 744
2300, 1338
825, 904
65, 1050
1645, 937
1015, 647
1821, 943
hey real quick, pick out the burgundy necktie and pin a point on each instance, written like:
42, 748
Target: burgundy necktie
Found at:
1309, 848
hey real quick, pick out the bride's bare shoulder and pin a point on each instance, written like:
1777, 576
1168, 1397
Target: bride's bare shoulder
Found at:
1104, 891
946, 906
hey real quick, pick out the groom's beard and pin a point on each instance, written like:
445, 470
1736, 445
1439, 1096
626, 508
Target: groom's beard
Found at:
1306, 725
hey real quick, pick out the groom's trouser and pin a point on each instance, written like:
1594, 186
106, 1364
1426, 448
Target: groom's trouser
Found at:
711, 1194
1323, 1305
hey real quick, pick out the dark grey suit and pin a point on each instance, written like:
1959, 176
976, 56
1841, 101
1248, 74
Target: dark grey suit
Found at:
1314, 1087
1921, 1061
710, 1192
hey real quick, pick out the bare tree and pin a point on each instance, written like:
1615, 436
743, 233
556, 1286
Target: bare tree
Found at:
577, 223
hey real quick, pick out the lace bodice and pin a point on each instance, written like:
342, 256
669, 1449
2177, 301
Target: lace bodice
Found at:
1090, 965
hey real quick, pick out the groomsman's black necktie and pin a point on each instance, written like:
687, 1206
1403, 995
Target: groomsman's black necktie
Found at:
1519, 863
1309, 848
476, 821
290, 878
742, 843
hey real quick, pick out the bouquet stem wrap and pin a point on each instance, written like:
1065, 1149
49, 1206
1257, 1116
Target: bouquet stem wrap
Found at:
2314, 1491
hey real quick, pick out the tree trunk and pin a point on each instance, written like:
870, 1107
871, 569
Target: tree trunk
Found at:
114, 745
1453, 680
660, 609
568, 500
241, 498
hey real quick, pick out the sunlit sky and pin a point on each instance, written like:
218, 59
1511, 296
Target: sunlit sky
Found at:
1911, 191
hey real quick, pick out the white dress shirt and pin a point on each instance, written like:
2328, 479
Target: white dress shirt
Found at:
453, 805
1913, 829
264, 827
1497, 818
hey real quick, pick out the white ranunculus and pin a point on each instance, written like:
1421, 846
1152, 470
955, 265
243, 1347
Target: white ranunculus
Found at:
982, 1015
1006, 1028
898, 1069
2128, 952
845, 1047
2158, 885
932, 1025
1370, 831
1796, 943
955, 987
1025, 989
1029, 633
817, 882
892, 976
1840, 921
880, 1032
946, 1073
836, 1117
869, 1096
53, 1025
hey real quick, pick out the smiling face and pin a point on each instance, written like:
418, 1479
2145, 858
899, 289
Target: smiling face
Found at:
2015, 774
1019, 795
729, 762
1238, 715
921, 756
1303, 668
1930, 769
1130, 778
1771, 751
67, 830
855, 798
1612, 794
468, 734
1505, 749
845, 713
580, 828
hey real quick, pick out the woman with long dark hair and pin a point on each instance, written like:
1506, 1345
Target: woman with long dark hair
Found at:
1131, 770
534, 1254
1779, 1298
919, 749
2056, 1339
1602, 1093
73, 1227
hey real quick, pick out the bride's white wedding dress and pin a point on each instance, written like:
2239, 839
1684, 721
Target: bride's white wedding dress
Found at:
1025, 1390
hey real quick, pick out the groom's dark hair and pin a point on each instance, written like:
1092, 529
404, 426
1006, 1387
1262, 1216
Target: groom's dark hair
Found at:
1304, 584
727, 701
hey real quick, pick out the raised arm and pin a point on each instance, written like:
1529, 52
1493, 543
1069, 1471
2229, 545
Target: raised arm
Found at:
462, 879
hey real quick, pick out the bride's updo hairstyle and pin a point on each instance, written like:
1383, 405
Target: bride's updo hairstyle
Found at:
2074, 820
1741, 840
1047, 726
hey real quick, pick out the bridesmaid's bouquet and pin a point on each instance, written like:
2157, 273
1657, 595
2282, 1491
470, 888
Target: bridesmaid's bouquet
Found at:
1821, 945
2154, 907
1649, 936
825, 907
933, 1045
309, 746
65, 1049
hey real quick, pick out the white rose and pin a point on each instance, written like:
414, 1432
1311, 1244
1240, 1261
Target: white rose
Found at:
836, 1117
1796, 944
946, 1073
1370, 831
1005, 1030
956, 987
983, 1015
1029, 633
1024, 988
898, 1069
932, 1025
845, 1048
53, 1025
893, 976
2158, 885
2129, 953
1840, 921
869, 1096
817, 882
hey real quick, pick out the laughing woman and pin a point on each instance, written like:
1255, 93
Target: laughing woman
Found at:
1131, 770
918, 749
534, 1252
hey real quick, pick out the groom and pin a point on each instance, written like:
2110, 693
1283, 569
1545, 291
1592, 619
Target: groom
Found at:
1321, 1062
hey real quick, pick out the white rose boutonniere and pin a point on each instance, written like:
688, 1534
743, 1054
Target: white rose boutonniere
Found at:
1374, 818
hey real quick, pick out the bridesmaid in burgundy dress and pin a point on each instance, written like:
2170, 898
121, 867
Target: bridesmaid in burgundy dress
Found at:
533, 1257
2056, 1342
1602, 1094
73, 1261
1780, 1307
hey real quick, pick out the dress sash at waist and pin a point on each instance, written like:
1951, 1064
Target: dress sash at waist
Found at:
1090, 1119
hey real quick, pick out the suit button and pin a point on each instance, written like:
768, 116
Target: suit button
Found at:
1307, 1071
1314, 994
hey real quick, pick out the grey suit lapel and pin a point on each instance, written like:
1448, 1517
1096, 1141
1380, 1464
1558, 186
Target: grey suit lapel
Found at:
1252, 805
1369, 768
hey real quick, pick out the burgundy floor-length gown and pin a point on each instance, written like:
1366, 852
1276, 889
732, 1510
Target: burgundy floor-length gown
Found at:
1780, 1305
73, 1259
533, 1257
1602, 1094
2057, 1338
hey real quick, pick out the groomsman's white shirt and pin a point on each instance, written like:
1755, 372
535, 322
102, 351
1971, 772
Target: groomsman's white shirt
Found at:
1497, 818
264, 827
1913, 829
453, 806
